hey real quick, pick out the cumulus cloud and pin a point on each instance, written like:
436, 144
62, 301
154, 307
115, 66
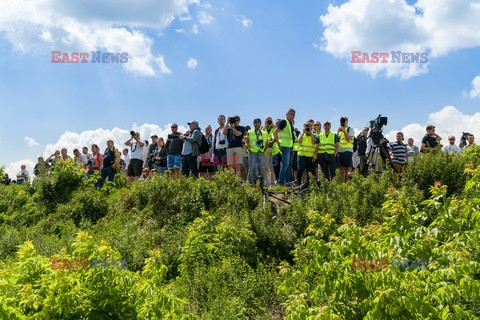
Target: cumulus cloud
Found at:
433, 26
475, 92
205, 18
192, 63
448, 121
46, 25
14, 168
244, 21
31, 142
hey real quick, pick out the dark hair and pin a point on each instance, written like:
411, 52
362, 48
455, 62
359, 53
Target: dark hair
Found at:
75, 150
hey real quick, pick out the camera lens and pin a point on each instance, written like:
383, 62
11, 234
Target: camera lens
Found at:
269, 121
132, 133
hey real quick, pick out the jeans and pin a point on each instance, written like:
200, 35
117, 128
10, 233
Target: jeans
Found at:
255, 166
286, 168
190, 164
219, 159
107, 172
160, 170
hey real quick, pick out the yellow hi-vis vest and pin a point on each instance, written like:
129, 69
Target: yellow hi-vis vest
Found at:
254, 141
307, 147
327, 144
285, 136
343, 142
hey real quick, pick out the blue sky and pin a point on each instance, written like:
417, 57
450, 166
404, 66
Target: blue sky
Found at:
254, 58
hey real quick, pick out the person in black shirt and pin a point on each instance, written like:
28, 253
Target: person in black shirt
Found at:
431, 140
235, 151
174, 149
151, 151
360, 145
111, 162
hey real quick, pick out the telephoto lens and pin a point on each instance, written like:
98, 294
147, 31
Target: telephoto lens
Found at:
132, 133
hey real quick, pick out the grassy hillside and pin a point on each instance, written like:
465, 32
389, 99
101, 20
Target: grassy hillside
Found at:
197, 249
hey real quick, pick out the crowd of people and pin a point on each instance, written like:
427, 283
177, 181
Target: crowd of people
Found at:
275, 152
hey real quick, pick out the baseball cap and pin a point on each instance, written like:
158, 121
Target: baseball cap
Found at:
327, 122
193, 122
154, 136
257, 120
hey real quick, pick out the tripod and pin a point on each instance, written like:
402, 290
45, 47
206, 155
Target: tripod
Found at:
378, 149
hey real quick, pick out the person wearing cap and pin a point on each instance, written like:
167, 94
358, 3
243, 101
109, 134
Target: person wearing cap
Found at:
152, 148
451, 147
191, 143
307, 153
256, 141
285, 138
134, 170
235, 151
431, 140
174, 149
111, 162
327, 151
269, 128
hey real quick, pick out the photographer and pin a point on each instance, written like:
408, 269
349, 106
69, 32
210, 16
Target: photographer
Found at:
220, 145
345, 153
361, 148
152, 148
235, 151
307, 154
134, 170
190, 153
174, 150
255, 142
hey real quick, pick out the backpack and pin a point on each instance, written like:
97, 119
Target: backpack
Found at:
204, 145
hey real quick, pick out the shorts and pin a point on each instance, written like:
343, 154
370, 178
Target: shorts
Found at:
236, 155
135, 168
345, 159
174, 161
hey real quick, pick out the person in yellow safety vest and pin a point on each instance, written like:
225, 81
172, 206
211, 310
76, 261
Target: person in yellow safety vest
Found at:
269, 128
327, 151
307, 154
345, 153
256, 141
285, 138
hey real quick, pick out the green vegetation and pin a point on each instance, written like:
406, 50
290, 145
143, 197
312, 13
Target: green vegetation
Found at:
214, 250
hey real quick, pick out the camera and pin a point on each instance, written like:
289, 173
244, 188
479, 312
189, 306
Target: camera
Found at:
132, 133
172, 136
376, 126
269, 121
232, 120
221, 141
259, 144
307, 129
342, 122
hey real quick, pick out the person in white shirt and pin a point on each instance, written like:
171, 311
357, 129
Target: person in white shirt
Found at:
85, 152
126, 158
412, 149
80, 158
22, 176
134, 170
451, 147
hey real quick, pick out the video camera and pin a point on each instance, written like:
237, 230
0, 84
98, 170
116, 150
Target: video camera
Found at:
376, 126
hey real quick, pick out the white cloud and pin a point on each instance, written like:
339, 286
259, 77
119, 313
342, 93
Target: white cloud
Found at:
195, 29
245, 21
180, 30
192, 63
475, 92
46, 25
448, 121
204, 18
14, 168
434, 26
31, 142
163, 67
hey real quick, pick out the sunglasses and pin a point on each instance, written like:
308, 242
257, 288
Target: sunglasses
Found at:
451, 139
173, 127
316, 125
